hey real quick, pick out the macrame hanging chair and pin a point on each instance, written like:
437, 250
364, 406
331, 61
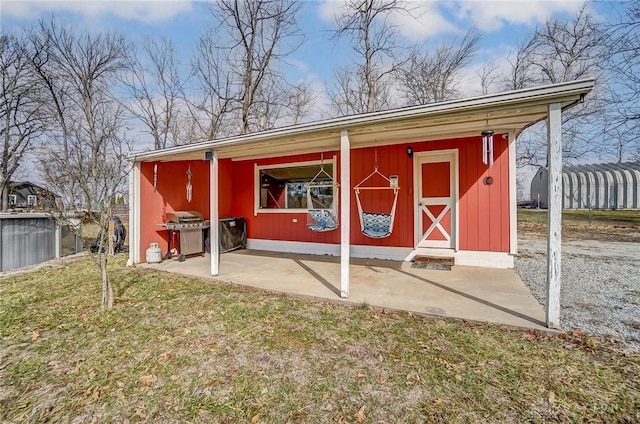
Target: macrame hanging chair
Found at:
320, 216
376, 225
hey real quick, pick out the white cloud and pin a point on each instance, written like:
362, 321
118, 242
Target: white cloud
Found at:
492, 15
140, 10
433, 17
422, 19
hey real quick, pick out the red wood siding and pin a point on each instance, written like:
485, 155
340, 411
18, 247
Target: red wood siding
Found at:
483, 209
392, 160
274, 225
170, 195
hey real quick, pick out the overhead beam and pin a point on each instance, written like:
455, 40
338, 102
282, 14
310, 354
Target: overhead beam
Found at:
554, 220
345, 212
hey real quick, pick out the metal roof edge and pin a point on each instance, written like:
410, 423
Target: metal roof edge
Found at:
541, 93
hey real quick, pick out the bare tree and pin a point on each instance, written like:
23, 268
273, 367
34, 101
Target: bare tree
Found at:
20, 110
238, 85
154, 86
520, 70
563, 51
623, 123
365, 85
431, 77
488, 76
83, 158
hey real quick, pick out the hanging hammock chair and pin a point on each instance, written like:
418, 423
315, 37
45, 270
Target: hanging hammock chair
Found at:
320, 216
376, 225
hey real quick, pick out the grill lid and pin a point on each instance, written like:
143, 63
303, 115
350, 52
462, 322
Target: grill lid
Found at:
182, 217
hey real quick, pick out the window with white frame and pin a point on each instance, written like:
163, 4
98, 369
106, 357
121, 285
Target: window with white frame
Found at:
13, 199
283, 188
32, 200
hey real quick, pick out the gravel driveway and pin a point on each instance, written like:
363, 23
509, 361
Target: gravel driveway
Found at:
600, 291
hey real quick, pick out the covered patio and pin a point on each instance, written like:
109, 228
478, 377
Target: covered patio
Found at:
445, 168
472, 293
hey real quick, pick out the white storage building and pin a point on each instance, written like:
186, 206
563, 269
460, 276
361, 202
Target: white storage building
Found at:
596, 186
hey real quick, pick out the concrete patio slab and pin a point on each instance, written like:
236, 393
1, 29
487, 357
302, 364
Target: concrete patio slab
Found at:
472, 293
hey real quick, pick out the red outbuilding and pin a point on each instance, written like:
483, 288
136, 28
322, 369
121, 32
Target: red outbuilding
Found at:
436, 180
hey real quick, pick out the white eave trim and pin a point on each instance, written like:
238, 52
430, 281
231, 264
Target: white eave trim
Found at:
569, 91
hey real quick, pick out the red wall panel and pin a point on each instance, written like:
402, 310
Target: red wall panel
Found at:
274, 225
483, 209
170, 195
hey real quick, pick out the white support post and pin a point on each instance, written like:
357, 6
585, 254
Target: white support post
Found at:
345, 212
214, 236
58, 240
134, 214
513, 195
554, 221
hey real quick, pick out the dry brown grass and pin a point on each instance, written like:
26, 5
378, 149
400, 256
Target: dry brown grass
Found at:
605, 225
185, 350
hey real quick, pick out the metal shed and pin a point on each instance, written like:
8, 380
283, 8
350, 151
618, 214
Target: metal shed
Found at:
31, 238
595, 186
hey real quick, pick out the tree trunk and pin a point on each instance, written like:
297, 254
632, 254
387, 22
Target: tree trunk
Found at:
107, 288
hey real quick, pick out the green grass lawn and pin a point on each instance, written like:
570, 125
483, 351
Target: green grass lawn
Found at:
176, 349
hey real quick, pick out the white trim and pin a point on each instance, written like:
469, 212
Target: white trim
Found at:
452, 156
13, 200
345, 212
513, 195
465, 257
308, 248
257, 186
468, 257
58, 240
32, 197
294, 247
134, 214
554, 215
214, 236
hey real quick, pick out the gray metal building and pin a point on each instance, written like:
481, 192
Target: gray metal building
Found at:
31, 238
596, 186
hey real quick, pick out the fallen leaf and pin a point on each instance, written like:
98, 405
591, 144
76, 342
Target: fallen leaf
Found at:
148, 379
96, 394
35, 335
164, 357
255, 419
360, 415
552, 397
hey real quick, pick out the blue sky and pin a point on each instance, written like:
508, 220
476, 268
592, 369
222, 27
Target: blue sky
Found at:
502, 23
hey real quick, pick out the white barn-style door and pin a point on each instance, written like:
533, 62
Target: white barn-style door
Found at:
436, 173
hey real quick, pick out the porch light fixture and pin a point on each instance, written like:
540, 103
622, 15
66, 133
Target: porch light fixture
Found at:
410, 151
487, 147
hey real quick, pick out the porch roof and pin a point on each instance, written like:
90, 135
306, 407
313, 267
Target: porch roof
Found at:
503, 113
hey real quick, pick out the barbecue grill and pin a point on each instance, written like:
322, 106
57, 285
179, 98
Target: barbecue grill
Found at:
189, 225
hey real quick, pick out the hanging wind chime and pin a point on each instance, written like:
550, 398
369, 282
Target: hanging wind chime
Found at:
487, 147
189, 186
155, 177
